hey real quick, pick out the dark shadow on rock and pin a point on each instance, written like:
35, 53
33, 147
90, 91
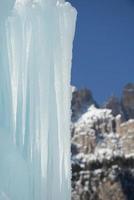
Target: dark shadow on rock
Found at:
126, 178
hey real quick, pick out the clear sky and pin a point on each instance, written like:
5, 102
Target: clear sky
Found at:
103, 57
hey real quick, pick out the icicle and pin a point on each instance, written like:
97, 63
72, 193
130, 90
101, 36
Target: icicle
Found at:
35, 98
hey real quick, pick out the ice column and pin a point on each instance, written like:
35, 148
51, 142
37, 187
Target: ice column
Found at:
35, 63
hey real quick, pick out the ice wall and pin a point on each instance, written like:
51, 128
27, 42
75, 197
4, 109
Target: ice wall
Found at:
35, 62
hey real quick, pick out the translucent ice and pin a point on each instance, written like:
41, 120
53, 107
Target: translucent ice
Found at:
35, 63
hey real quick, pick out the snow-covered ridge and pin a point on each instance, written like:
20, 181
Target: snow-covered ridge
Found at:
93, 115
99, 135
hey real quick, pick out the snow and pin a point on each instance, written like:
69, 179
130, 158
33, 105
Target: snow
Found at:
94, 113
92, 116
108, 145
129, 155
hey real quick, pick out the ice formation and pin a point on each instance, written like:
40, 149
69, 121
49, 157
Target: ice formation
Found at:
35, 60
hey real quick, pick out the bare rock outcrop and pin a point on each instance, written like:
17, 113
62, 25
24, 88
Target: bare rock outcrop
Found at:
128, 101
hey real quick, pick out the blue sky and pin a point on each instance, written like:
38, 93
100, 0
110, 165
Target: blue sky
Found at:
103, 55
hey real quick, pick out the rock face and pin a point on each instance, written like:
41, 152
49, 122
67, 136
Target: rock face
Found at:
115, 105
128, 101
123, 106
102, 148
81, 100
111, 182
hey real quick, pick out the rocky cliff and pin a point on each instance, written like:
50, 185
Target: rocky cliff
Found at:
103, 147
125, 105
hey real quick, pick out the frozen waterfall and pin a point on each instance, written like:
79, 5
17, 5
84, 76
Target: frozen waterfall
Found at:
36, 39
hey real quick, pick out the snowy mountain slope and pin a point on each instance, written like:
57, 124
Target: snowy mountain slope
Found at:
102, 146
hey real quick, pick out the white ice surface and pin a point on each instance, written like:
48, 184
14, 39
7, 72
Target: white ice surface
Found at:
35, 94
